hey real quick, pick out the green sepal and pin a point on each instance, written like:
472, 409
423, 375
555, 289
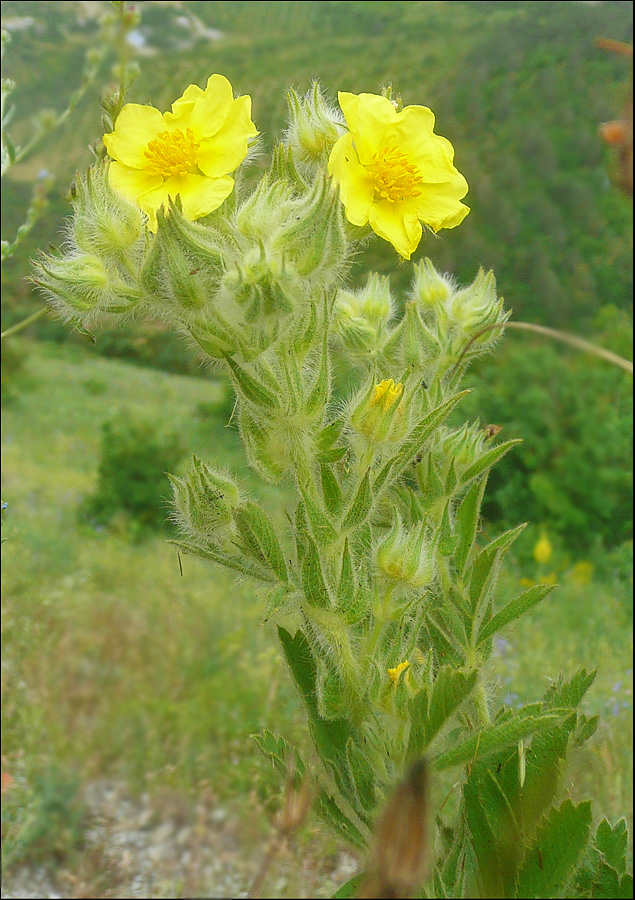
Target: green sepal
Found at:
260, 539
249, 387
360, 506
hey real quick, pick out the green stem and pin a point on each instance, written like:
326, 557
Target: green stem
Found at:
480, 705
564, 337
24, 323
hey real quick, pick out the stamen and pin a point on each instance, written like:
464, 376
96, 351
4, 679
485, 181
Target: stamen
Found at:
395, 177
172, 153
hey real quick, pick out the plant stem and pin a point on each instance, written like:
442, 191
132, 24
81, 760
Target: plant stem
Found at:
562, 336
24, 323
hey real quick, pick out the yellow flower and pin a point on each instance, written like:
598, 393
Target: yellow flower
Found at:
394, 172
386, 394
188, 152
394, 674
543, 550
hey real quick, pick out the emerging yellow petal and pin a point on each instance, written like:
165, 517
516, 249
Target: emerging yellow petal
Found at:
188, 152
395, 674
394, 172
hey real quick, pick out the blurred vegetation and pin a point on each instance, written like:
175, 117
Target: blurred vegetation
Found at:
135, 457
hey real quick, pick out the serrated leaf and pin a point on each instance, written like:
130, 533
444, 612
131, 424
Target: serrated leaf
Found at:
360, 506
489, 459
612, 842
571, 692
514, 610
495, 737
559, 844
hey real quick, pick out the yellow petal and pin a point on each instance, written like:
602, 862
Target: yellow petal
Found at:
129, 182
221, 154
439, 205
212, 107
356, 185
135, 127
397, 224
367, 116
199, 195
432, 154
184, 104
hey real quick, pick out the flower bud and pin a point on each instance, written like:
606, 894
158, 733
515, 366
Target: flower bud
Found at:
104, 223
380, 413
361, 316
81, 286
429, 288
477, 306
406, 556
314, 126
205, 502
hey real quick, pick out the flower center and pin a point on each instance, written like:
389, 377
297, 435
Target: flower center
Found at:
172, 153
395, 177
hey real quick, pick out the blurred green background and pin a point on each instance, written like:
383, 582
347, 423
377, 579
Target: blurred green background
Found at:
118, 669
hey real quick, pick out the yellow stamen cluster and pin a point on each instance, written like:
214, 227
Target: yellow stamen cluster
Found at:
386, 394
172, 153
395, 177
395, 674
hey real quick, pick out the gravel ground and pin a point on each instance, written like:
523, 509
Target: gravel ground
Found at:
135, 849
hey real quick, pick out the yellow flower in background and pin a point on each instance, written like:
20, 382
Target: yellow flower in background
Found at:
543, 550
394, 173
395, 674
188, 152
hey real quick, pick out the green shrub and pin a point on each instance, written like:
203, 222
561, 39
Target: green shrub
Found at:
572, 472
135, 456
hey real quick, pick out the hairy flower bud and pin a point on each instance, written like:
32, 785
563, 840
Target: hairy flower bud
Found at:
477, 305
81, 286
104, 222
429, 288
380, 413
361, 316
406, 556
314, 126
205, 502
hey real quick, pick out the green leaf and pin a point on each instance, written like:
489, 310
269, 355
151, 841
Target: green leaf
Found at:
328, 435
322, 387
414, 443
612, 842
467, 522
487, 564
349, 888
560, 841
608, 884
237, 563
429, 711
495, 737
361, 505
260, 538
321, 527
570, 693
489, 459
313, 581
250, 388
331, 491
514, 610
